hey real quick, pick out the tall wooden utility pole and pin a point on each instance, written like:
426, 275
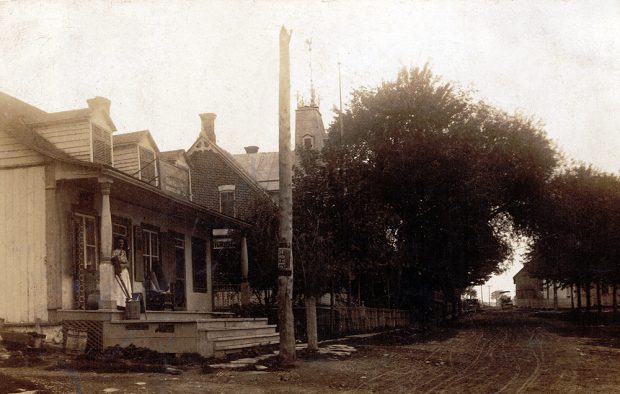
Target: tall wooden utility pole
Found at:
341, 115
285, 251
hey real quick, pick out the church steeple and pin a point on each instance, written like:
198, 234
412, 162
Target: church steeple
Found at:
309, 128
314, 99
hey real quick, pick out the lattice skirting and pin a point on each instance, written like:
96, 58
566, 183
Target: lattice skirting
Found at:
94, 330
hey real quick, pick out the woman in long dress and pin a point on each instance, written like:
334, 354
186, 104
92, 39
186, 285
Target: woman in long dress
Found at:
121, 254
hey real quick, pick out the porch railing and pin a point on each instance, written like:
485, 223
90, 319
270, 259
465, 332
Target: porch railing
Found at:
225, 296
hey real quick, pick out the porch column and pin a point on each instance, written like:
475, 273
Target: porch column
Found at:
53, 233
106, 271
209, 272
245, 285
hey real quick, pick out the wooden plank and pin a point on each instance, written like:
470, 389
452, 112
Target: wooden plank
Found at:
11, 278
73, 138
3, 240
22, 212
41, 228
12, 153
52, 238
21, 161
38, 231
17, 153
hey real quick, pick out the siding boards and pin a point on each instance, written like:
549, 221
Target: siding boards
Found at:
73, 138
126, 158
13, 153
22, 245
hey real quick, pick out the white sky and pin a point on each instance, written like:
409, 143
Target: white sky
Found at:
163, 62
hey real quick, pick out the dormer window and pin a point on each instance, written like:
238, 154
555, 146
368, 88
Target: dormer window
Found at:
227, 200
148, 166
102, 145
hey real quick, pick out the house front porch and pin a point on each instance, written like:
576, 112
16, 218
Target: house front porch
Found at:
210, 334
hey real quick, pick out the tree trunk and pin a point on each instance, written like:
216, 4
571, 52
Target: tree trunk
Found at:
313, 340
588, 297
614, 304
332, 312
579, 297
555, 296
599, 304
572, 298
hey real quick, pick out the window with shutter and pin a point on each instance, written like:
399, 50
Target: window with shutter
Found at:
102, 145
148, 166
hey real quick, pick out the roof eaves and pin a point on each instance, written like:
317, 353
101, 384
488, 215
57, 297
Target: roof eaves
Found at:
111, 171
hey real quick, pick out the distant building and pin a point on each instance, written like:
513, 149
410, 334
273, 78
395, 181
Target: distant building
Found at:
309, 129
536, 293
263, 166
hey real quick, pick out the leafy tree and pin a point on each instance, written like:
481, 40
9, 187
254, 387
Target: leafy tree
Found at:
458, 173
340, 230
577, 240
263, 249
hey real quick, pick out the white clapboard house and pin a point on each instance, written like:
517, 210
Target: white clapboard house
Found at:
70, 186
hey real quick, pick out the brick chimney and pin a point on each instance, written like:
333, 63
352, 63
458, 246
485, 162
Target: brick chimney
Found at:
252, 151
208, 126
99, 103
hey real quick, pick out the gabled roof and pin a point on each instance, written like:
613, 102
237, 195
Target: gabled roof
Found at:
173, 154
61, 116
133, 138
34, 115
13, 116
522, 272
267, 168
18, 108
229, 159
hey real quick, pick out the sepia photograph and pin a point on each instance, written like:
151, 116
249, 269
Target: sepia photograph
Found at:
309, 196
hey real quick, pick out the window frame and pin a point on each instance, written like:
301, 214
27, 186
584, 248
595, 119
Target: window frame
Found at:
83, 218
310, 138
228, 190
147, 255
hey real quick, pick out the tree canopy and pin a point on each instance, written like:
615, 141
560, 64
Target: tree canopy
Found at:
456, 172
422, 188
577, 230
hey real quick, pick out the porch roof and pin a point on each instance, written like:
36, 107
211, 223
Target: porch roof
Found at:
135, 191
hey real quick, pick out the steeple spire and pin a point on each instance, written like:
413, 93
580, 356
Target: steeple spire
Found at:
313, 97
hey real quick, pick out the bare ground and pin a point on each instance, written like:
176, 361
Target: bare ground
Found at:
491, 352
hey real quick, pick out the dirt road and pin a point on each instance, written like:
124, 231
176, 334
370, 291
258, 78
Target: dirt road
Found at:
491, 352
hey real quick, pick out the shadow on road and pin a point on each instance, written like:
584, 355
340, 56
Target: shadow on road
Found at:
601, 330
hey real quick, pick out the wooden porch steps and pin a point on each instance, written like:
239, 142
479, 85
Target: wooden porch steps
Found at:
227, 345
165, 332
236, 322
239, 331
218, 338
